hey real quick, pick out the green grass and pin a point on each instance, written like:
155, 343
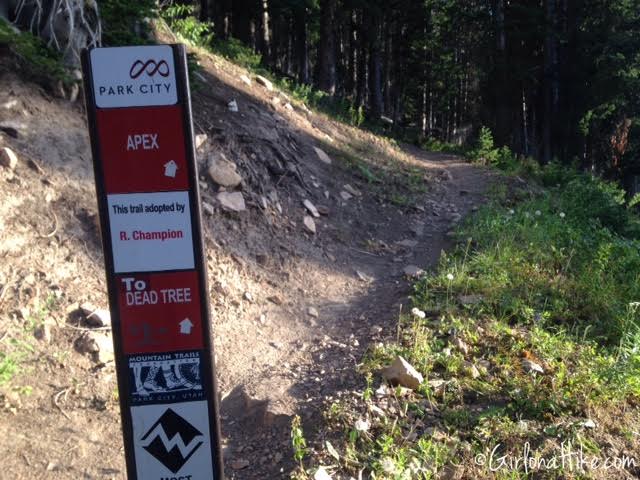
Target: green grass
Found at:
554, 272
33, 56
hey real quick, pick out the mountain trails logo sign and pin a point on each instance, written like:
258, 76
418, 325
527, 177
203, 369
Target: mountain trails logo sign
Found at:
134, 76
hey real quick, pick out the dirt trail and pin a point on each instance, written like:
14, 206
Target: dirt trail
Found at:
293, 312
357, 305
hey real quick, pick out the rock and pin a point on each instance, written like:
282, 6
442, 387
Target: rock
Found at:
461, 345
43, 333
309, 223
363, 276
288, 106
345, 195
275, 299
352, 191
470, 299
232, 106
375, 330
362, 425
96, 317
438, 385
407, 243
208, 208
246, 80
312, 208
223, 171
8, 158
240, 463
99, 346
323, 210
412, 271
588, 424
264, 82
201, 138
233, 201
312, 312
401, 372
530, 366
248, 297
323, 156
321, 474
471, 370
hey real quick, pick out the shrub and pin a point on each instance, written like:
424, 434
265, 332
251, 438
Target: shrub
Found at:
125, 22
186, 25
33, 56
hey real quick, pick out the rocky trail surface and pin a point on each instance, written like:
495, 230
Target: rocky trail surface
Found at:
313, 233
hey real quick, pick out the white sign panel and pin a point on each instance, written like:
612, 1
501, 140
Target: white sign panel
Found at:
151, 231
172, 441
134, 76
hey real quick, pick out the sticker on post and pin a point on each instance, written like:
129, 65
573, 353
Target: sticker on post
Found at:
160, 312
143, 149
151, 231
172, 440
134, 76
166, 377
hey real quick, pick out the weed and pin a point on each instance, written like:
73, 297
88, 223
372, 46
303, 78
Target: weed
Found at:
298, 441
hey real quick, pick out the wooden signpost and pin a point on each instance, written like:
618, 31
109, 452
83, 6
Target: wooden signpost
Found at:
139, 113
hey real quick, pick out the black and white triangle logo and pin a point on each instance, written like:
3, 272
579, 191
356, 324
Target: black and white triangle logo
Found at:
172, 440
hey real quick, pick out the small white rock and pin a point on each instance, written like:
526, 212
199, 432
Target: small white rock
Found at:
264, 82
352, 191
8, 158
233, 106
413, 271
362, 425
208, 208
312, 208
323, 156
201, 138
402, 373
309, 224
345, 195
530, 366
321, 474
233, 201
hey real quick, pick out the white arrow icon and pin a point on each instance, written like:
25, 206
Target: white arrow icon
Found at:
170, 169
185, 326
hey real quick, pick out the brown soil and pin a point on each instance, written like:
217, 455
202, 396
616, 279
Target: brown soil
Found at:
60, 417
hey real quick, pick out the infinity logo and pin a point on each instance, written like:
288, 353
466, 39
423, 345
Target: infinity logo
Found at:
151, 67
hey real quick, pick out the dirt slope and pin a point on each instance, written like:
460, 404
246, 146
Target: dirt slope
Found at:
275, 356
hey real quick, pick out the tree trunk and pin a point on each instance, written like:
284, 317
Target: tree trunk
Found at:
550, 84
375, 67
326, 47
266, 35
302, 46
222, 19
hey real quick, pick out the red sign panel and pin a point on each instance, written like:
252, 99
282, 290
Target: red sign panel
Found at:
160, 312
143, 149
